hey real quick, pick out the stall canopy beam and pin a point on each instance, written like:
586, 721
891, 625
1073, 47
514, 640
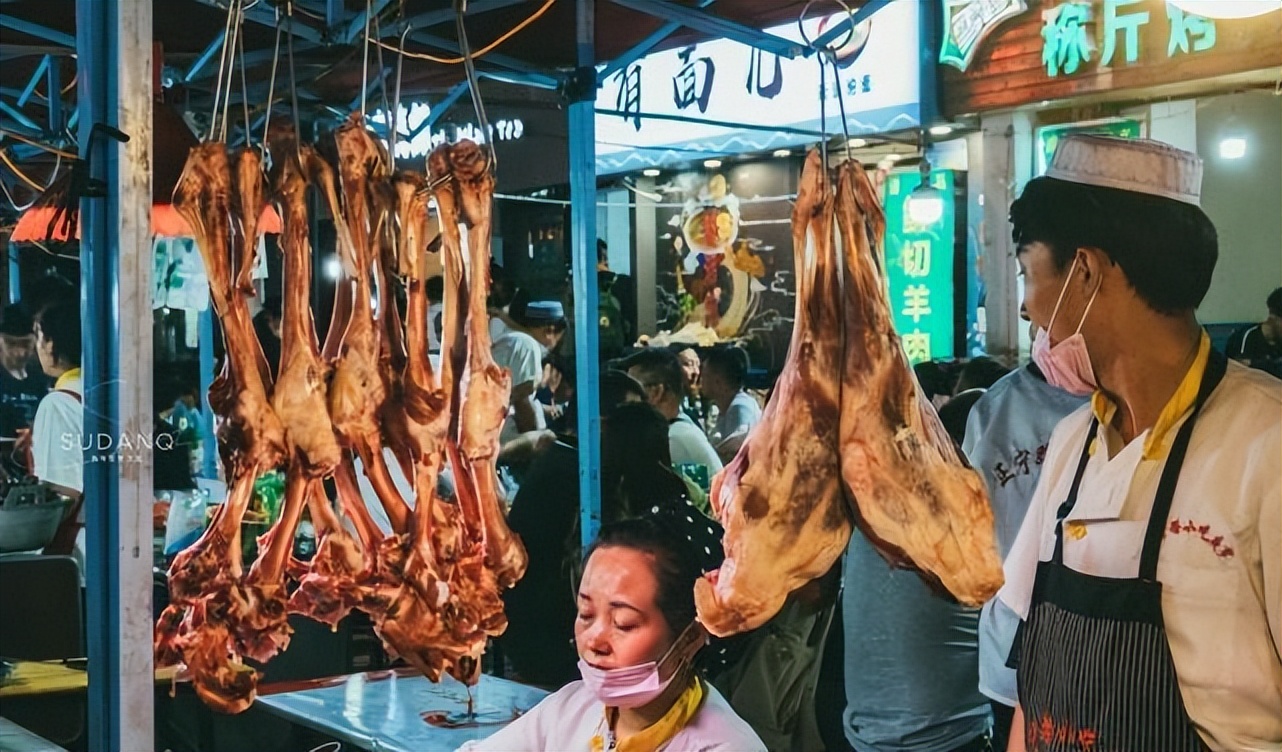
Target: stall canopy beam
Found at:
440, 108
583, 251
35, 80
494, 58
334, 13
843, 27
38, 31
434, 17
715, 26
53, 84
263, 15
644, 46
356, 29
27, 122
114, 43
208, 54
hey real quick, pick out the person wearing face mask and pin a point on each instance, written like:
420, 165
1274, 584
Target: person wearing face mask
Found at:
639, 651
1148, 570
1006, 437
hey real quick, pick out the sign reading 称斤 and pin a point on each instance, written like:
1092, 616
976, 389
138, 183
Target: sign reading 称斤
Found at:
1068, 43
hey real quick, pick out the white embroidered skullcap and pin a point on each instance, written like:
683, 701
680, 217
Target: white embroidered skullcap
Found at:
1139, 165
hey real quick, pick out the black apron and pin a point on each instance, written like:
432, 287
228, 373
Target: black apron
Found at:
1094, 667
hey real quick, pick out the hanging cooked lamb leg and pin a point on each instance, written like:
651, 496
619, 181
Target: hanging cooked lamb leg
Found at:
248, 201
780, 499
914, 496
357, 392
485, 398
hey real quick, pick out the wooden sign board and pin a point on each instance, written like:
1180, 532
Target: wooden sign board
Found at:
1065, 50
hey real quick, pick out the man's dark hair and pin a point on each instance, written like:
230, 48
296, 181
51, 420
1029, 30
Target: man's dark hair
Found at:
1166, 248
615, 388
1275, 302
602, 251
435, 289
47, 290
60, 324
16, 322
934, 378
729, 361
980, 373
658, 366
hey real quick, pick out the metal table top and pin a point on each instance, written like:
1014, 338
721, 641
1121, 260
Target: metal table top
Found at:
399, 711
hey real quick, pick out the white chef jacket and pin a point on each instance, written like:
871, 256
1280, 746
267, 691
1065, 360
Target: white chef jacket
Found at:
1221, 559
568, 719
522, 355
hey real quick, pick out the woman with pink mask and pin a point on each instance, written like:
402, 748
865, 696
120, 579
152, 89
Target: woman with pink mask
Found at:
638, 645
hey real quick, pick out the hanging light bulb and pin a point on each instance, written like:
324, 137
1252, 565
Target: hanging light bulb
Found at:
1227, 9
925, 205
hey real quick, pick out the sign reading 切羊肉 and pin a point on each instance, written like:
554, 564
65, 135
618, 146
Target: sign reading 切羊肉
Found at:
919, 268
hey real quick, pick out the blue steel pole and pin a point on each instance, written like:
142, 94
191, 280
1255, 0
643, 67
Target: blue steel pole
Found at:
15, 274
583, 247
96, 51
113, 46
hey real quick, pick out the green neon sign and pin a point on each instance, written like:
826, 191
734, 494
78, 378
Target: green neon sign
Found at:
919, 268
1067, 44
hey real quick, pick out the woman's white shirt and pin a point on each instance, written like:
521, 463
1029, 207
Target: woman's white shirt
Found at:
568, 719
56, 453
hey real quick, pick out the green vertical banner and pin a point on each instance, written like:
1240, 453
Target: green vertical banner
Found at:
919, 267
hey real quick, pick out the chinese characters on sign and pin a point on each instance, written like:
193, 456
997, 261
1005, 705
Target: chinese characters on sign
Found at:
1067, 43
693, 83
967, 22
919, 268
628, 101
757, 83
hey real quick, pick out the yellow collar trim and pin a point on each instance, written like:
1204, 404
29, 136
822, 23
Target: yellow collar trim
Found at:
1179, 403
661, 732
66, 378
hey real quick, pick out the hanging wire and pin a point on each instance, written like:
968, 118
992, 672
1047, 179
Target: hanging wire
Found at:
396, 97
31, 142
473, 85
293, 82
231, 63
244, 87
827, 56
382, 71
271, 86
365, 58
222, 66
479, 53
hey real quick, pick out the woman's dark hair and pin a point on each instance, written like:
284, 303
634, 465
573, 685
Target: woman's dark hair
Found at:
1166, 248
635, 460
729, 361
1274, 302
60, 324
676, 563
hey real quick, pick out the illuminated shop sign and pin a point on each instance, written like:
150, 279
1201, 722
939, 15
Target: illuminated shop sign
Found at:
1068, 43
879, 83
968, 22
415, 139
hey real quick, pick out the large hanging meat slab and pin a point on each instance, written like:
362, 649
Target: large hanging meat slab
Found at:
847, 437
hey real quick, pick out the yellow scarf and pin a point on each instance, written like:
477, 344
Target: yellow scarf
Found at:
662, 731
67, 377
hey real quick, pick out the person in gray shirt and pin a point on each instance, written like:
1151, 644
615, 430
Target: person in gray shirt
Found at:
910, 662
1007, 434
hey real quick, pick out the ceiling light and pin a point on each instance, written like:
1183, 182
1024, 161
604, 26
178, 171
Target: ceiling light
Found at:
925, 205
893, 157
333, 267
858, 143
650, 172
941, 130
1226, 9
1233, 148
782, 153
712, 164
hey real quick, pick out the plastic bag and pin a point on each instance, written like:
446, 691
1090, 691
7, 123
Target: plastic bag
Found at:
186, 520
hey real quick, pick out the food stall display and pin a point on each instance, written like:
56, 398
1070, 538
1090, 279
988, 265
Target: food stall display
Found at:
432, 586
847, 439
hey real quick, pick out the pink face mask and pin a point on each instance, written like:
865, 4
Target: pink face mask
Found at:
635, 686
1066, 365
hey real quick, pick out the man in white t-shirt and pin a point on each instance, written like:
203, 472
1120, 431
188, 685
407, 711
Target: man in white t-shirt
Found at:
725, 370
1148, 570
659, 372
538, 328
56, 455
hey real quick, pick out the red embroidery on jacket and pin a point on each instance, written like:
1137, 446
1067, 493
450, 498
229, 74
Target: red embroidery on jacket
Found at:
1046, 731
1203, 532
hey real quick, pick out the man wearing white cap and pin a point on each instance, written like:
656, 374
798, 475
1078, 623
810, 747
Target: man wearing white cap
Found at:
538, 328
1148, 570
